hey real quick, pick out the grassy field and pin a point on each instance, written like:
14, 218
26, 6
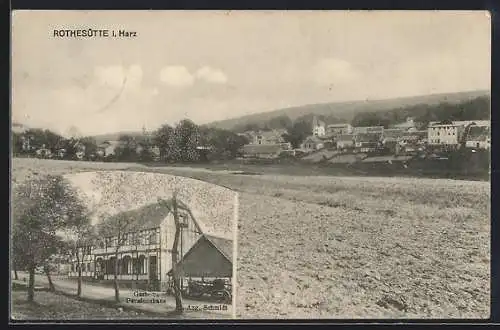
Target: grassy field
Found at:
52, 306
348, 247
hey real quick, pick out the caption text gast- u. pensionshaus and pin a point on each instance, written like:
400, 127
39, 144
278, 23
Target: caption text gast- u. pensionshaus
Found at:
93, 33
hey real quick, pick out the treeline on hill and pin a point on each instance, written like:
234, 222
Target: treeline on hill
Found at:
174, 143
475, 109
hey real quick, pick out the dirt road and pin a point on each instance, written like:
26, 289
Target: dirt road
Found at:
162, 304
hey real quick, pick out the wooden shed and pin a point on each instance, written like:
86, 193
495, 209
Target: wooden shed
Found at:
210, 256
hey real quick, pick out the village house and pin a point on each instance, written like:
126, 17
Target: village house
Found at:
334, 130
107, 148
249, 135
318, 127
390, 138
445, 133
411, 142
478, 137
345, 141
269, 137
367, 142
18, 128
464, 122
312, 143
368, 129
145, 257
43, 152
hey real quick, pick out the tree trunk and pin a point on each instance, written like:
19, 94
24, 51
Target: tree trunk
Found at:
31, 284
47, 272
115, 282
79, 284
16, 277
79, 288
177, 290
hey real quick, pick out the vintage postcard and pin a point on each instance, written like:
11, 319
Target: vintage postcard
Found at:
250, 165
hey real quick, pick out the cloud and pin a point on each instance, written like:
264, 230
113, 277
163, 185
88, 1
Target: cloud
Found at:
211, 75
176, 76
333, 71
114, 76
111, 76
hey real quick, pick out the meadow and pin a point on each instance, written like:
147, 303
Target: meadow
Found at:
312, 246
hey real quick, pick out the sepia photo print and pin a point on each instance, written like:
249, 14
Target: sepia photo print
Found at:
250, 165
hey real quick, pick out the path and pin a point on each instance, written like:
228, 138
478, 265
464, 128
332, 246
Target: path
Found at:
93, 291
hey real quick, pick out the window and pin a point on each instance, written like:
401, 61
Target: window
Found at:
153, 238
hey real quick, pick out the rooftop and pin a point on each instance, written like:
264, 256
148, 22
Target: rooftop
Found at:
478, 133
367, 137
109, 193
338, 125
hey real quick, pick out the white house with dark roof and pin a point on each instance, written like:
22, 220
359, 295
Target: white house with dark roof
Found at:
478, 137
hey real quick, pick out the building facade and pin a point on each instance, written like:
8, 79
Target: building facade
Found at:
312, 143
338, 129
269, 137
144, 254
368, 129
318, 127
448, 134
367, 142
478, 137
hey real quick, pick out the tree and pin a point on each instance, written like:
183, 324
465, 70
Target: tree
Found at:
183, 144
17, 143
40, 208
79, 239
90, 145
225, 144
114, 230
297, 133
161, 138
280, 122
174, 205
126, 151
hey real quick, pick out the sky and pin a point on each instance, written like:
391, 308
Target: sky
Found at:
215, 65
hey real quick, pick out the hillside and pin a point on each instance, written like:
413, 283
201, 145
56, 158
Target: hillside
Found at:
347, 110
114, 136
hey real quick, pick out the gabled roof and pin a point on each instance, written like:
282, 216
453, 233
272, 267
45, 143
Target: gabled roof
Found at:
478, 133
313, 139
146, 217
192, 265
367, 137
338, 125
392, 133
346, 137
225, 246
